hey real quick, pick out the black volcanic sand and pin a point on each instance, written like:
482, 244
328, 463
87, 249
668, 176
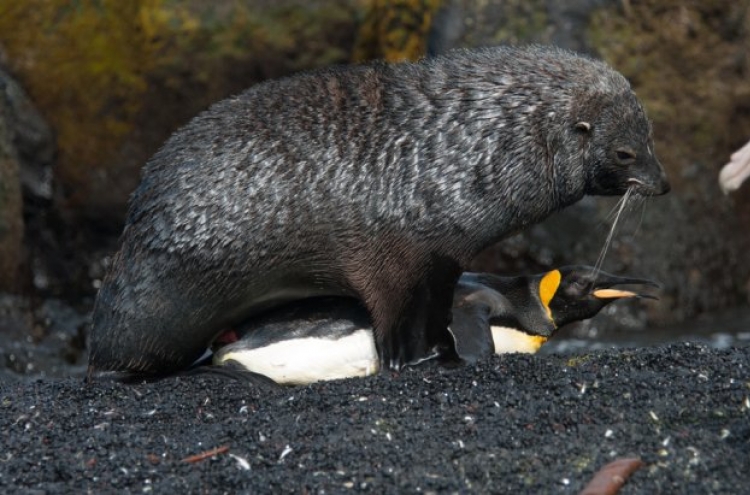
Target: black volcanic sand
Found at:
525, 424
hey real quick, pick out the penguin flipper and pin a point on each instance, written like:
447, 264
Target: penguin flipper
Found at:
471, 332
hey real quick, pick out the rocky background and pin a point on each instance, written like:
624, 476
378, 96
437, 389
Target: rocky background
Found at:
90, 89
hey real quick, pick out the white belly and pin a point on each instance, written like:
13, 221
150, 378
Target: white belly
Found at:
307, 360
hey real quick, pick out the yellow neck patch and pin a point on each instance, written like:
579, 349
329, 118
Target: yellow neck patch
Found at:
547, 288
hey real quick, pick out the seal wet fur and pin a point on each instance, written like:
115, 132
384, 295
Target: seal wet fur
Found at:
379, 182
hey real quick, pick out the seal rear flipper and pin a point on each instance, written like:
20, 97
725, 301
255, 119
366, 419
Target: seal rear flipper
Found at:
230, 369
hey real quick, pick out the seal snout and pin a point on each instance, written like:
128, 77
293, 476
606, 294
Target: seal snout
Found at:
656, 188
665, 187
649, 180
662, 186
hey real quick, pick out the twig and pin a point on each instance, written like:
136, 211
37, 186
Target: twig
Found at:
206, 454
609, 479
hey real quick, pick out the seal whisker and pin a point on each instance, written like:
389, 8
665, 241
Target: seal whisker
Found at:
635, 203
622, 202
615, 211
639, 201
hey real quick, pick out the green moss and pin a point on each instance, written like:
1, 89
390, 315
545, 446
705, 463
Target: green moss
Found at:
11, 221
524, 22
395, 29
84, 65
577, 360
92, 66
580, 464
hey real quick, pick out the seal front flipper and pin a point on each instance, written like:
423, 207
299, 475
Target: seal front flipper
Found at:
411, 321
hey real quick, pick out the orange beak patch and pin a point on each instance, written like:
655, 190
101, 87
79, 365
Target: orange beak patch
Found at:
613, 294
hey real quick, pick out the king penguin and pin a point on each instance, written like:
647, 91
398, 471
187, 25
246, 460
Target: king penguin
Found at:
332, 338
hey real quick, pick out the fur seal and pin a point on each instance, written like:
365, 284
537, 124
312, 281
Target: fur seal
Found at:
378, 182
332, 338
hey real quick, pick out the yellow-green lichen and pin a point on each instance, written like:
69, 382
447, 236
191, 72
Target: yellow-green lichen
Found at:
577, 360
395, 29
114, 77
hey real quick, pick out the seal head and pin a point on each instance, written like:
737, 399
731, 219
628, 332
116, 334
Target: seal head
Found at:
618, 149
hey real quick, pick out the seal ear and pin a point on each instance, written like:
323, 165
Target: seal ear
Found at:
583, 126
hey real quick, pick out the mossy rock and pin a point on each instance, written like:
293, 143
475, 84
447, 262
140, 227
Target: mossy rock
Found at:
395, 30
11, 218
115, 78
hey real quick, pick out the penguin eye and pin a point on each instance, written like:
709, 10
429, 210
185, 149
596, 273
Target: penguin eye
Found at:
579, 287
625, 156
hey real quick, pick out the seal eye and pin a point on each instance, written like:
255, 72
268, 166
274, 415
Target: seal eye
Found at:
625, 156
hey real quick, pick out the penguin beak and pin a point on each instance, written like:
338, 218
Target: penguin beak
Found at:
604, 288
614, 294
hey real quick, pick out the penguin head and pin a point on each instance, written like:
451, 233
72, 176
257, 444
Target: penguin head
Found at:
581, 293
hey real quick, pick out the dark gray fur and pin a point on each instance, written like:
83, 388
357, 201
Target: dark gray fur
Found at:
376, 181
